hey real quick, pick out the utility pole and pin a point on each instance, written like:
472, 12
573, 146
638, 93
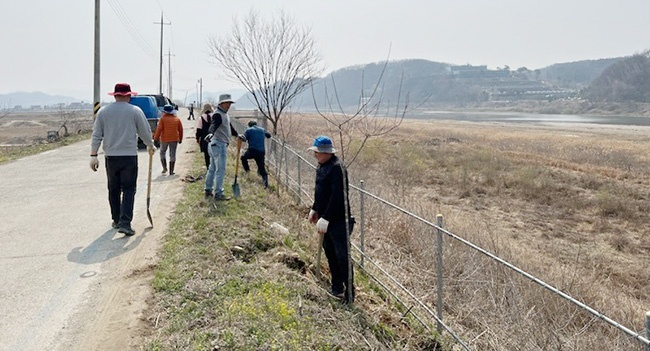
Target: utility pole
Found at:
169, 80
160, 89
200, 92
97, 103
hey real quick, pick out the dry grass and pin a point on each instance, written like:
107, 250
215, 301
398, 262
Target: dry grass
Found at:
567, 204
227, 281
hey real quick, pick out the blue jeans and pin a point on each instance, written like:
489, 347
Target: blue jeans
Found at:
122, 172
217, 170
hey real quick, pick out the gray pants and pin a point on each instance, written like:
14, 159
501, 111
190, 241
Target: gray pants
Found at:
172, 150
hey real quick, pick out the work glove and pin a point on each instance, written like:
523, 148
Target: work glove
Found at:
94, 163
208, 138
312, 217
180, 141
321, 225
242, 137
151, 149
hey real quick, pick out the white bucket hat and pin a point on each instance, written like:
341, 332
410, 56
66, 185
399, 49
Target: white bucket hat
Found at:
225, 98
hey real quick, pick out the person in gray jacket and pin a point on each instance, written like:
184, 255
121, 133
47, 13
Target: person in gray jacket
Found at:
118, 126
218, 139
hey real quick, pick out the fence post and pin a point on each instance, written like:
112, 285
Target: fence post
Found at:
274, 151
439, 273
286, 168
362, 221
299, 182
647, 329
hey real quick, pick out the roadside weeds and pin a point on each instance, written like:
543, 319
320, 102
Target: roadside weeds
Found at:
225, 280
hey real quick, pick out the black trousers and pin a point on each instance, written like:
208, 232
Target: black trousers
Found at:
258, 156
336, 250
122, 173
204, 149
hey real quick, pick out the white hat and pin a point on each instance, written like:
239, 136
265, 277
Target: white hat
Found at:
225, 98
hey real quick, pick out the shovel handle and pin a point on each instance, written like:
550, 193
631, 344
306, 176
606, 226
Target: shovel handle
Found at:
149, 176
237, 158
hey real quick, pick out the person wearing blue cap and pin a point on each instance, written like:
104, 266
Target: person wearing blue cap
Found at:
254, 136
170, 133
329, 214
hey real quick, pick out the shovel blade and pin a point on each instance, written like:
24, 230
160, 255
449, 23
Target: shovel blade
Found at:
235, 189
148, 212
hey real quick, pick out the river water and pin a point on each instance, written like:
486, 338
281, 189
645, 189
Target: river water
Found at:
532, 118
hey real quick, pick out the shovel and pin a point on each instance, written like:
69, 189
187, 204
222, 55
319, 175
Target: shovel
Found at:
149, 189
235, 186
321, 237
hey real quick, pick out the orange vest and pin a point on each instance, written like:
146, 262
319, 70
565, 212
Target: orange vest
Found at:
169, 129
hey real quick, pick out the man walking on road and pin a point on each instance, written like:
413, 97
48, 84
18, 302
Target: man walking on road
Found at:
191, 108
118, 126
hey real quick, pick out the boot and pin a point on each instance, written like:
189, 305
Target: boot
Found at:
265, 178
164, 164
171, 167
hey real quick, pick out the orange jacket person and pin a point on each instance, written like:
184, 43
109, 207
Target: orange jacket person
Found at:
170, 133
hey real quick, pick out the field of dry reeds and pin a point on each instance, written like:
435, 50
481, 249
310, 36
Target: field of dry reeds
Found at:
565, 203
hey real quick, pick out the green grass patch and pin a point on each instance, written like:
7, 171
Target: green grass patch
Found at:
12, 153
225, 280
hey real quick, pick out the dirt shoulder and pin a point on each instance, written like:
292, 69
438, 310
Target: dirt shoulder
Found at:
114, 316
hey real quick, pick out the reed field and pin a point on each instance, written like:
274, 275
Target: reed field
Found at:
565, 203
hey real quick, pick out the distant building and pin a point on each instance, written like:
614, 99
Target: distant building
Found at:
469, 71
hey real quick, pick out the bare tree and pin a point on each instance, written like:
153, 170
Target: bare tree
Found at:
67, 117
274, 60
372, 117
4, 112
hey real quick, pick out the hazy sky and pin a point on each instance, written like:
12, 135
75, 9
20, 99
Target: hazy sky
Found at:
48, 45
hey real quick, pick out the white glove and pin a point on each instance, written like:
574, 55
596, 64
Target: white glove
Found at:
321, 225
312, 217
151, 149
94, 163
208, 138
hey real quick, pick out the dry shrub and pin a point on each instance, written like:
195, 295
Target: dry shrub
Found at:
568, 206
611, 204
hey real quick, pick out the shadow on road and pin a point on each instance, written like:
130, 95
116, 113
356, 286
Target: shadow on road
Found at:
111, 244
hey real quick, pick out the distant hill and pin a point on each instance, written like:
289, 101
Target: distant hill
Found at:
576, 75
25, 99
438, 82
627, 80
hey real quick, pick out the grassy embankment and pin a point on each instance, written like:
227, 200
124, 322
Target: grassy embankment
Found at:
12, 153
227, 280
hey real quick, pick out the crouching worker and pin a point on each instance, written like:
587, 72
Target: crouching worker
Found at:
255, 135
330, 216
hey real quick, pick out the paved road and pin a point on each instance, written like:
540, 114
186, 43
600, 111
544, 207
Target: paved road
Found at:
59, 255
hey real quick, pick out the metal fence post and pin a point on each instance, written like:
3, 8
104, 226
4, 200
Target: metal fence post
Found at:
362, 221
299, 182
439, 273
286, 168
647, 329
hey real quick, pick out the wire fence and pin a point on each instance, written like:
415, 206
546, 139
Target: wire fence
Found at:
471, 295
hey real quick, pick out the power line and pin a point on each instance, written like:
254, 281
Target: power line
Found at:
132, 29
